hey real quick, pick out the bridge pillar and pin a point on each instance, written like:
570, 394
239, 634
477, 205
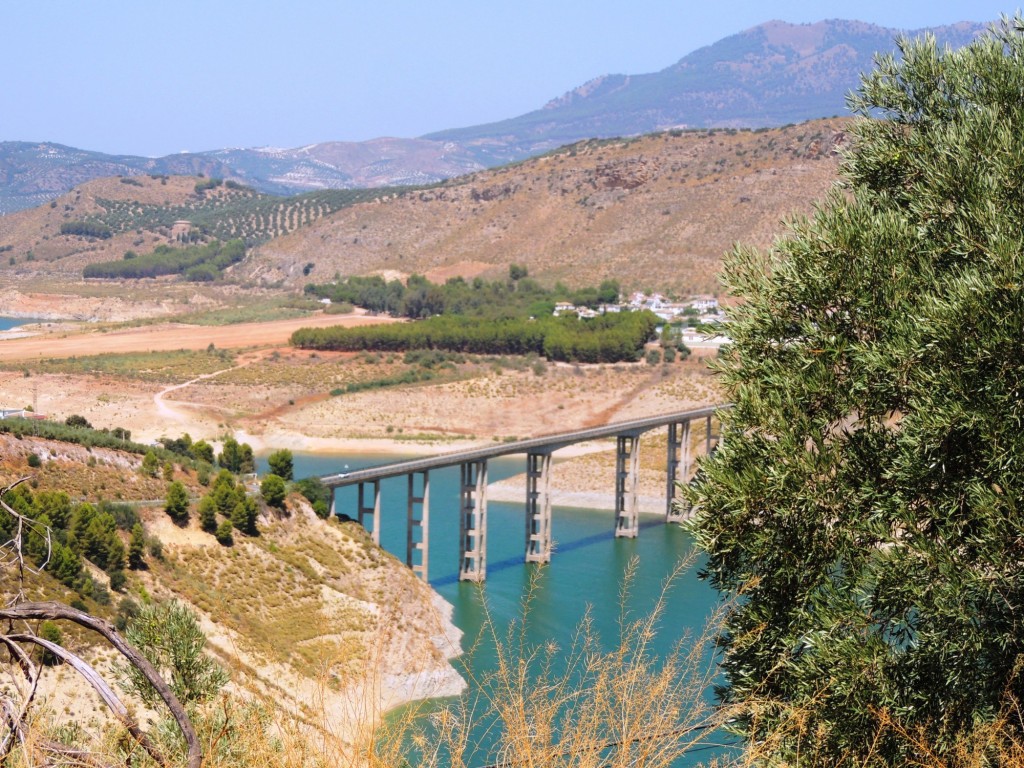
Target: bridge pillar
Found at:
473, 521
678, 469
627, 471
707, 447
417, 529
538, 507
372, 510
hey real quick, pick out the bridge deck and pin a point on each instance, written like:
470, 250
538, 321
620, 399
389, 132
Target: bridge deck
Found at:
533, 445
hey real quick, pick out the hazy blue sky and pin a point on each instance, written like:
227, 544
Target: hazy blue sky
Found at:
139, 77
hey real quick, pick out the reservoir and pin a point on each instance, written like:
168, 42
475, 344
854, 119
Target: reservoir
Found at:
6, 323
586, 569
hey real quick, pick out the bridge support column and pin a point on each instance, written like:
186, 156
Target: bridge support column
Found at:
678, 469
538, 507
417, 530
627, 469
707, 448
473, 522
372, 510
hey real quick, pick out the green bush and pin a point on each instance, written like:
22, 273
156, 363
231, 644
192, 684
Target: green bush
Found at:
177, 503
281, 463
223, 533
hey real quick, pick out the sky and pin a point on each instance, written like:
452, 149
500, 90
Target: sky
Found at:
153, 78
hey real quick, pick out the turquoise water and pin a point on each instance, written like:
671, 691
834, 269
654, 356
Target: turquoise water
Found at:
7, 323
586, 568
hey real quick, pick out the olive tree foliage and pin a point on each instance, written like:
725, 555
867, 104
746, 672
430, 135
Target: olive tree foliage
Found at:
868, 500
169, 636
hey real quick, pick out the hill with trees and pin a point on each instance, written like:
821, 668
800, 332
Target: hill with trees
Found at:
654, 212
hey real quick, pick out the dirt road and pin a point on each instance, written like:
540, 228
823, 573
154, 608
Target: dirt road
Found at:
161, 338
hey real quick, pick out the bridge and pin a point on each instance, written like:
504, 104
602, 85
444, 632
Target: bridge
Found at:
683, 445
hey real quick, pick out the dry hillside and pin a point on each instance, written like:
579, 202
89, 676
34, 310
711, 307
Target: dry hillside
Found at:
655, 211
308, 611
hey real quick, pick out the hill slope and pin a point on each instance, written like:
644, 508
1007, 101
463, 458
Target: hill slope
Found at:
657, 211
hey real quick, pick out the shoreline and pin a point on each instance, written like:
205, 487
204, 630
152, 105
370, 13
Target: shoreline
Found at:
509, 491
263, 444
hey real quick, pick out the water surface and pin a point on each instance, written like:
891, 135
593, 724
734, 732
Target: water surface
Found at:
586, 569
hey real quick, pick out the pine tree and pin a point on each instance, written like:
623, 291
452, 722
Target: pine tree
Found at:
177, 503
208, 514
137, 548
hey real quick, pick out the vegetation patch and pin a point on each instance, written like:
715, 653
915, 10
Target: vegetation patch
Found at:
199, 264
236, 211
605, 339
164, 367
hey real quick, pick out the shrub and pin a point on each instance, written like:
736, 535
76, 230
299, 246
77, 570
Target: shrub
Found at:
33, 460
281, 463
150, 464
223, 533
273, 491
50, 632
168, 634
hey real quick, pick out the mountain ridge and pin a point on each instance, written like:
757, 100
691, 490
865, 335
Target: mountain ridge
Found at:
772, 74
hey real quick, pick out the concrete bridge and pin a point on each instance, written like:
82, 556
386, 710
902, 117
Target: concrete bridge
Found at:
683, 444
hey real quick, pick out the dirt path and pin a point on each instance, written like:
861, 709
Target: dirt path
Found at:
607, 414
165, 411
162, 338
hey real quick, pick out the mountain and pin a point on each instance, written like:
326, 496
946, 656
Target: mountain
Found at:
34, 173
770, 75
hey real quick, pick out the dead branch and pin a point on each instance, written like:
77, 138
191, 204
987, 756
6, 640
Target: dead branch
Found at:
51, 610
14, 715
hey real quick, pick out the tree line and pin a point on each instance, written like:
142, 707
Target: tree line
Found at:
609, 338
86, 229
77, 531
518, 296
202, 263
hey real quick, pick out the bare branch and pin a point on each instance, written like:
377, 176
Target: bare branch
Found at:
51, 610
91, 676
13, 714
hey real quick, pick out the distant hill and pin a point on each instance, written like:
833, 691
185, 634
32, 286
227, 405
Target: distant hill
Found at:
770, 75
657, 211
34, 173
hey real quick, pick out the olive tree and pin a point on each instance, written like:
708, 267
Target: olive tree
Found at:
866, 504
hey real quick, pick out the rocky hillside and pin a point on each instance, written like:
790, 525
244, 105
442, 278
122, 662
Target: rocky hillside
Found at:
657, 211
770, 75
